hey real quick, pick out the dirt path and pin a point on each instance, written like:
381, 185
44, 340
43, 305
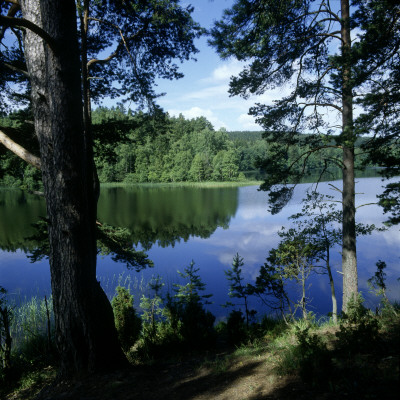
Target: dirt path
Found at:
242, 378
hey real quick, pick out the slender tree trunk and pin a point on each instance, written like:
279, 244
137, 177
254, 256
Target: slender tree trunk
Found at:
87, 108
85, 333
247, 311
5, 318
332, 285
303, 297
349, 256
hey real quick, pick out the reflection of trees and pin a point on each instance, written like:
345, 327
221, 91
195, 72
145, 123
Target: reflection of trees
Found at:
18, 211
152, 215
168, 215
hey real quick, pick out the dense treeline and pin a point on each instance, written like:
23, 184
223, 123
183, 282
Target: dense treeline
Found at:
160, 148
142, 147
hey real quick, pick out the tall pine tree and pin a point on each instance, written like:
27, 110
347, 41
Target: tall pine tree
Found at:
321, 50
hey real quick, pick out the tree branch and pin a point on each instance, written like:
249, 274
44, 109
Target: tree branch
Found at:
321, 105
16, 69
122, 43
11, 12
20, 151
109, 58
22, 22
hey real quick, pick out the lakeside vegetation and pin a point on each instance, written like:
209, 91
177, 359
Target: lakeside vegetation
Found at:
137, 147
207, 184
332, 72
357, 355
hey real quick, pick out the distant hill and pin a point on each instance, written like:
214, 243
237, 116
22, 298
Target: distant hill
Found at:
245, 135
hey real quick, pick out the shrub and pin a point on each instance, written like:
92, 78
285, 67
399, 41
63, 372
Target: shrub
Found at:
236, 328
358, 329
128, 324
310, 357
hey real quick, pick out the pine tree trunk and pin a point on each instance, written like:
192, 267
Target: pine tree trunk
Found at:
349, 257
85, 333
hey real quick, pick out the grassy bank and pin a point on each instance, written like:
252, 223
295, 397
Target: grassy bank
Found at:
209, 184
357, 358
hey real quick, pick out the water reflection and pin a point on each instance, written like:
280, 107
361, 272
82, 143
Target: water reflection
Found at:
167, 215
152, 215
18, 211
206, 225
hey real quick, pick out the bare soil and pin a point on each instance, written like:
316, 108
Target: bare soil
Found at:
223, 378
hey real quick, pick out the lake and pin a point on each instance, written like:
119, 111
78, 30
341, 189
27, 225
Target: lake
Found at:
176, 225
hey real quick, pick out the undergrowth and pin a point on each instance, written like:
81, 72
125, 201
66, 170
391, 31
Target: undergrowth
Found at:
358, 356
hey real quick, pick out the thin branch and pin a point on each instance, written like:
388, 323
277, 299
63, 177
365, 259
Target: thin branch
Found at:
20, 151
366, 204
321, 105
122, 43
325, 35
16, 69
335, 188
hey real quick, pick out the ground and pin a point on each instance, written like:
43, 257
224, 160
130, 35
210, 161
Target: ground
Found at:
217, 377
245, 378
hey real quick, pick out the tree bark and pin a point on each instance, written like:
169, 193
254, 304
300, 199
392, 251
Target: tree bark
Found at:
331, 284
87, 111
85, 333
349, 256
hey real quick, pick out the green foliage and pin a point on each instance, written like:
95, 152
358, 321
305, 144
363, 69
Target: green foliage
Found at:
310, 357
377, 282
356, 311
152, 311
236, 328
117, 242
128, 324
358, 329
33, 345
237, 289
270, 288
175, 323
294, 259
389, 200
272, 327
158, 148
157, 338
114, 241
138, 147
187, 313
377, 285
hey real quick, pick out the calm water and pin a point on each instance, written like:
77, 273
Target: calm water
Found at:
178, 225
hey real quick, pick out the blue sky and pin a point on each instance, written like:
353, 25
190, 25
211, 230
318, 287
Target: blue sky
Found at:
204, 89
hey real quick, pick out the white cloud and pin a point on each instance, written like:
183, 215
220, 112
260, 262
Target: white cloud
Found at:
247, 122
208, 93
195, 112
227, 69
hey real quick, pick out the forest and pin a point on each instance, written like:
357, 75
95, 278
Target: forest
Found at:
154, 147
322, 79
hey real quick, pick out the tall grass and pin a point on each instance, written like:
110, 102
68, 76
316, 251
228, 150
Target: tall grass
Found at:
31, 320
137, 286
